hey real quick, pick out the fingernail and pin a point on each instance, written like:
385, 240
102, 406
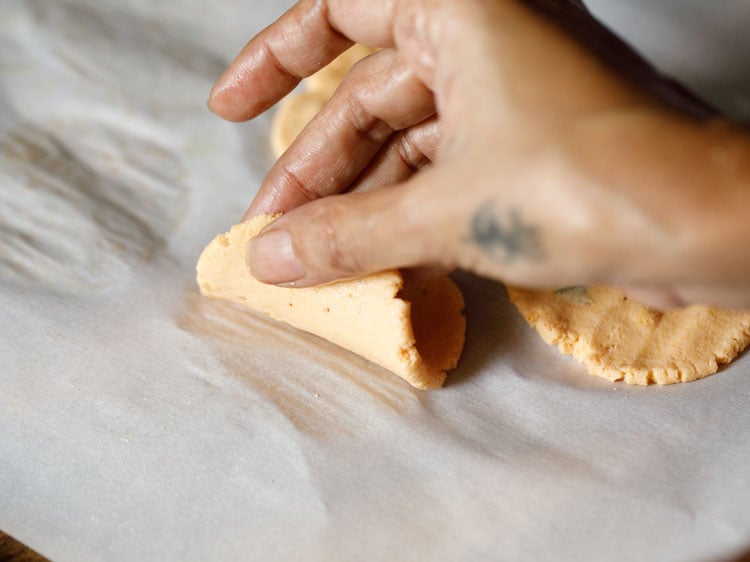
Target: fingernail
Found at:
271, 258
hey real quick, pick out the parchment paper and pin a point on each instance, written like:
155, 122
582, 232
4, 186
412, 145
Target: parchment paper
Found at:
139, 421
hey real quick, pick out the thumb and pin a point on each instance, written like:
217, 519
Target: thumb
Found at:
350, 235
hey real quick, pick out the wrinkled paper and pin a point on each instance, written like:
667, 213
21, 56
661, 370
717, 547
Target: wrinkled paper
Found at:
140, 421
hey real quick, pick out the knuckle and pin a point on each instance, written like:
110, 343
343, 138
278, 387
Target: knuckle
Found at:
365, 122
410, 155
291, 181
272, 58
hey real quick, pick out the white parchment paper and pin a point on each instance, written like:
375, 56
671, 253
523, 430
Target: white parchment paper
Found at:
139, 421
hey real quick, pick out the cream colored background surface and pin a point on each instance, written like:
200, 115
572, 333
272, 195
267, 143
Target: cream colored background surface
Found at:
139, 421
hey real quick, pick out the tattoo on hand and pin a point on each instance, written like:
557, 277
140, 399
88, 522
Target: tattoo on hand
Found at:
506, 238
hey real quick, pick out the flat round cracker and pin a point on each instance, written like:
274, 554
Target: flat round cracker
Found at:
618, 338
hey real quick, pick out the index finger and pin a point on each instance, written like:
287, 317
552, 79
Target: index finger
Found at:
306, 38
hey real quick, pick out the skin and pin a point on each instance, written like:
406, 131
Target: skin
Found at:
488, 135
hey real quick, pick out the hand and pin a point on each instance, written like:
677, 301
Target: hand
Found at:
485, 136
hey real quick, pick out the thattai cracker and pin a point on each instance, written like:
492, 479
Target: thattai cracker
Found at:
415, 331
618, 338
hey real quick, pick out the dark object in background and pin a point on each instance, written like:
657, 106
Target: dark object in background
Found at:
13, 551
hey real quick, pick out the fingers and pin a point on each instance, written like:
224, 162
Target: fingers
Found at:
274, 61
341, 141
405, 154
303, 40
354, 234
